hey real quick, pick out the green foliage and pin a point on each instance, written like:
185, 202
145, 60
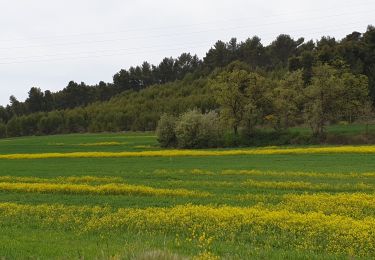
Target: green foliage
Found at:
136, 111
210, 130
322, 98
14, 127
245, 100
51, 123
35, 100
187, 129
192, 129
196, 130
231, 90
165, 131
3, 130
355, 95
287, 101
331, 95
259, 101
76, 120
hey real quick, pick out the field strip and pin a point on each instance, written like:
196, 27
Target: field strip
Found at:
268, 173
355, 205
106, 189
308, 186
311, 230
89, 144
352, 175
62, 179
177, 153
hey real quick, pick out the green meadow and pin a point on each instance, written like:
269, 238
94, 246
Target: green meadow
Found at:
206, 207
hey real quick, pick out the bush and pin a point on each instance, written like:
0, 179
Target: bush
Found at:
165, 131
191, 130
210, 131
187, 129
196, 130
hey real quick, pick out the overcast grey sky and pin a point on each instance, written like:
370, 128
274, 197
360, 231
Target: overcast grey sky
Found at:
47, 43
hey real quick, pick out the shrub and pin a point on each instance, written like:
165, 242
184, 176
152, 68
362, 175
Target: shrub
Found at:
191, 130
165, 131
197, 130
210, 131
187, 129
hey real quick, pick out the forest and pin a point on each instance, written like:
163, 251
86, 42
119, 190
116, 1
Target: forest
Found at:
239, 86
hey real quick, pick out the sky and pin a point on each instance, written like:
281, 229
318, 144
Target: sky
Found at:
46, 43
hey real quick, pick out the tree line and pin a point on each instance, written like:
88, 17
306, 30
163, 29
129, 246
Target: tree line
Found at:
283, 70
249, 101
80, 95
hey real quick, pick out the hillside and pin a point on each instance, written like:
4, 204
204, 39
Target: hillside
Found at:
138, 96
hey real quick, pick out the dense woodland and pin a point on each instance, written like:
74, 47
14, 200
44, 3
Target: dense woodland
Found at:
247, 85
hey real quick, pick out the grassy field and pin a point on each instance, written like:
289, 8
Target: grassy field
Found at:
297, 206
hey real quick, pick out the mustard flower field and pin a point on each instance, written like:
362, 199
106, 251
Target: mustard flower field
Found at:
119, 196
